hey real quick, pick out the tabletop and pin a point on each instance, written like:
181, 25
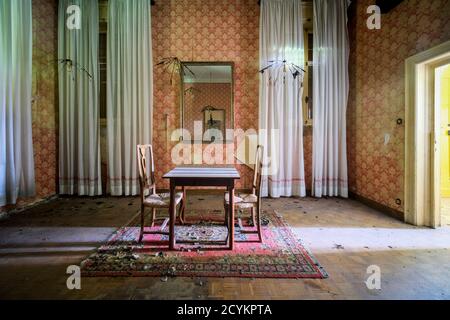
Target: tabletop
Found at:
203, 171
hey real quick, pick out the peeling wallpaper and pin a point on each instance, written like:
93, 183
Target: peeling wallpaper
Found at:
376, 142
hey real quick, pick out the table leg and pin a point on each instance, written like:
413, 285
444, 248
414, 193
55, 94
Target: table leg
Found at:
231, 217
172, 216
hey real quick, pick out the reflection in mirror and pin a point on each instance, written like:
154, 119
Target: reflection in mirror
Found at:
207, 100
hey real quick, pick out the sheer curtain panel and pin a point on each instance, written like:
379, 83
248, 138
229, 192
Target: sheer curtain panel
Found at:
129, 91
280, 97
330, 96
79, 145
16, 145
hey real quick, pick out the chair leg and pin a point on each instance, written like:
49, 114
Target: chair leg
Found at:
153, 217
258, 222
226, 215
181, 212
252, 209
141, 234
184, 204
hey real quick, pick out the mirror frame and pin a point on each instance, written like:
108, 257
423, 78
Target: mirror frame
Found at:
207, 63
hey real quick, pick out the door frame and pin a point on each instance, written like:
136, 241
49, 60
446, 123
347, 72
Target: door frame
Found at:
422, 161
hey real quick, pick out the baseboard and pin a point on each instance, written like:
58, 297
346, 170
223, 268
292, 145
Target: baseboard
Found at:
368, 202
378, 206
17, 209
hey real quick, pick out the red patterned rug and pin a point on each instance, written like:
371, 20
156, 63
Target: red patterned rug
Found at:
281, 255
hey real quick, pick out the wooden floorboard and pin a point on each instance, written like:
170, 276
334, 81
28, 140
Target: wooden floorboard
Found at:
345, 236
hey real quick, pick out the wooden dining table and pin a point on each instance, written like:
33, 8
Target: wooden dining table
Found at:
202, 176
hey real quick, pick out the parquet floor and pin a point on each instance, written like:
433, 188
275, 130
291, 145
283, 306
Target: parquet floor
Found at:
346, 237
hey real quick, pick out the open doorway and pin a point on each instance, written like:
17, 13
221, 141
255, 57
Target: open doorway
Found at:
424, 131
442, 99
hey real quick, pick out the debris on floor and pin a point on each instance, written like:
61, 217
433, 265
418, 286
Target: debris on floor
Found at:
199, 282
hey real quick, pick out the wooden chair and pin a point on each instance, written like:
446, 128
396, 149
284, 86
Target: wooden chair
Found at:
250, 201
149, 197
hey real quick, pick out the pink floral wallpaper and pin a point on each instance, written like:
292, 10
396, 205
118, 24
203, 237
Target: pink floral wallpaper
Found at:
200, 95
376, 142
45, 94
204, 30
211, 30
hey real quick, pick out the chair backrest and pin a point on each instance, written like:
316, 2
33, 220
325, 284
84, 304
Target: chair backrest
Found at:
146, 167
256, 187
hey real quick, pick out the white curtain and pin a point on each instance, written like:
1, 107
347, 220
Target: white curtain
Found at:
79, 146
16, 145
280, 97
130, 90
330, 96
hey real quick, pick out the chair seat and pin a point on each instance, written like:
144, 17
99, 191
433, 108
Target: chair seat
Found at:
242, 199
161, 200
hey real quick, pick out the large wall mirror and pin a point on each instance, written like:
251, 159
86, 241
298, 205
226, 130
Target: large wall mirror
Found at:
207, 100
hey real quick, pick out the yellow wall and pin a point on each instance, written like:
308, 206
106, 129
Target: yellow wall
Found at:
445, 137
